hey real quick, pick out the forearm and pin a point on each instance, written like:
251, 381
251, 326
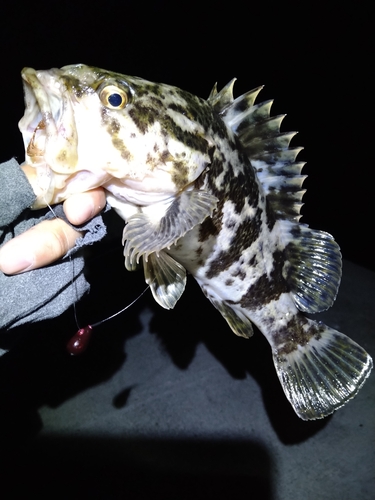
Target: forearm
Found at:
46, 292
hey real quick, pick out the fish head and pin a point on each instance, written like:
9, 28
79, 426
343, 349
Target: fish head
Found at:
85, 127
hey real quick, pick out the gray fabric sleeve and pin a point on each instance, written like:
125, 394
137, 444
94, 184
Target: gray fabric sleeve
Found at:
16, 192
47, 292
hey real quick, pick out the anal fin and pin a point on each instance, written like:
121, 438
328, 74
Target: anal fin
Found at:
324, 374
239, 324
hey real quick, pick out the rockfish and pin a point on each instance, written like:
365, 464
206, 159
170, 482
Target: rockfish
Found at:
210, 187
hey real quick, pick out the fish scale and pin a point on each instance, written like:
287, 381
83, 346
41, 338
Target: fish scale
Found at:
209, 187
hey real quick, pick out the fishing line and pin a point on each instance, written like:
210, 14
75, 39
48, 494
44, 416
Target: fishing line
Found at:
79, 342
71, 261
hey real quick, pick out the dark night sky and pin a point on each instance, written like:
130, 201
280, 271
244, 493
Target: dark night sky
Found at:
316, 62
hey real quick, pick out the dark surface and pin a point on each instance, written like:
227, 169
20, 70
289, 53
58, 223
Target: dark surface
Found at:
172, 404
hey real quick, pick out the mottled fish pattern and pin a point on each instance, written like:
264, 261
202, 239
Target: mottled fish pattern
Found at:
211, 187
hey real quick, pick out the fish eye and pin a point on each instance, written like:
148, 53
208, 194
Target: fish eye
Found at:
113, 97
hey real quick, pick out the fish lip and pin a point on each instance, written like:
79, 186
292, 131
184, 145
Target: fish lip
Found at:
43, 95
36, 95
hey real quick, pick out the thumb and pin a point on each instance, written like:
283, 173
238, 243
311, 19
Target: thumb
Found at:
39, 246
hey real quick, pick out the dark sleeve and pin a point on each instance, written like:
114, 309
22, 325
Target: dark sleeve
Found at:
47, 292
16, 193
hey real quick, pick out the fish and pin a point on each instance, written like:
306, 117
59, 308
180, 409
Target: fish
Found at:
206, 187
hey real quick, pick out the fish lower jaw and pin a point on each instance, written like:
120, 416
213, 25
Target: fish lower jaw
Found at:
52, 187
119, 189
159, 184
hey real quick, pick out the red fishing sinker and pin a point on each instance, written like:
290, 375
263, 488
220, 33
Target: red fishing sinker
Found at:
79, 342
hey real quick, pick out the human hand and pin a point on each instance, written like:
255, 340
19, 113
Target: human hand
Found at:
50, 239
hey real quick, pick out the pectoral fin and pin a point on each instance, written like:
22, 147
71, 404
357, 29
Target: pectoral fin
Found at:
160, 225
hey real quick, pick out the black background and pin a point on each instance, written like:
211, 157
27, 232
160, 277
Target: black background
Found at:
315, 59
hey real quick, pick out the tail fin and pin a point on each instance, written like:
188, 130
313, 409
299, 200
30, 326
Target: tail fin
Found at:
324, 374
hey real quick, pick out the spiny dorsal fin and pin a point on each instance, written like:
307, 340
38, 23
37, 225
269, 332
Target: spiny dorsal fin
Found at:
220, 100
267, 148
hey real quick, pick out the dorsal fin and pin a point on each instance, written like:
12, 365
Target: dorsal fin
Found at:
266, 147
219, 100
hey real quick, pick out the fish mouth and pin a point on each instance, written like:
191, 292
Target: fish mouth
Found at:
47, 127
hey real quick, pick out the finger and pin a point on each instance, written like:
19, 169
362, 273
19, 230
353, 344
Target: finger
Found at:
31, 175
80, 208
39, 246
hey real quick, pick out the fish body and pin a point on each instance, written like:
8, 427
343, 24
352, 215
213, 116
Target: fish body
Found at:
210, 187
